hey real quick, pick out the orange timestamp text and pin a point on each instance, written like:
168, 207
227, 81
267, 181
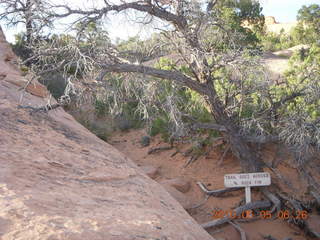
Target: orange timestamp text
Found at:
264, 214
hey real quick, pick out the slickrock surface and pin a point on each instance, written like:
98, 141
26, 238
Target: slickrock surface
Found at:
59, 181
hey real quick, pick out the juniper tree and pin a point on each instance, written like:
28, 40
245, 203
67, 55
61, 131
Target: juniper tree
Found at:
210, 60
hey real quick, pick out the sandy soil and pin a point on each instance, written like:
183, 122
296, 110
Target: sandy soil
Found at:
207, 171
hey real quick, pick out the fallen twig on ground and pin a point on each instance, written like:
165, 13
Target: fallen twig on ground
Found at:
274, 199
238, 211
224, 155
218, 192
201, 203
158, 149
191, 160
241, 231
45, 108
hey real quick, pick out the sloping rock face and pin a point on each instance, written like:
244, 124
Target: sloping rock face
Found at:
59, 181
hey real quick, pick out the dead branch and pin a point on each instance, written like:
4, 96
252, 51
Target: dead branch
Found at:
216, 193
158, 149
175, 153
211, 126
240, 230
295, 204
316, 196
45, 108
238, 211
268, 237
214, 145
191, 160
175, 76
281, 178
273, 198
201, 203
224, 155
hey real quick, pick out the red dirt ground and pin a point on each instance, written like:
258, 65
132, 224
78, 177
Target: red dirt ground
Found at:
207, 171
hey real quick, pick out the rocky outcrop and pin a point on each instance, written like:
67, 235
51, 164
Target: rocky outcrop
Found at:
59, 181
270, 20
273, 26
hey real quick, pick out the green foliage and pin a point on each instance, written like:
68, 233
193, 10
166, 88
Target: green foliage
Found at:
130, 113
308, 28
55, 83
102, 132
310, 15
274, 42
249, 10
160, 126
127, 119
91, 33
20, 47
303, 76
101, 108
307, 31
236, 13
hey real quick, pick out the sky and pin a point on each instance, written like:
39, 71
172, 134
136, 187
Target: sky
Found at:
282, 10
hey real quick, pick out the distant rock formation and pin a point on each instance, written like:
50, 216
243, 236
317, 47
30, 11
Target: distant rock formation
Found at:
270, 20
273, 26
60, 182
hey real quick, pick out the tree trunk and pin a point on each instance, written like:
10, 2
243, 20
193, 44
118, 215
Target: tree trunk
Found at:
249, 159
28, 19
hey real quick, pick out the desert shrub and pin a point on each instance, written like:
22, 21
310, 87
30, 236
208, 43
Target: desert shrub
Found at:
129, 118
298, 119
101, 108
55, 83
160, 126
308, 28
275, 42
91, 127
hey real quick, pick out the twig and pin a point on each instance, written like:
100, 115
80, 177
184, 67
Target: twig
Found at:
274, 199
201, 203
175, 153
238, 211
215, 145
268, 237
281, 178
216, 193
45, 108
191, 160
316, 196
224, 155
241, 231
158, 149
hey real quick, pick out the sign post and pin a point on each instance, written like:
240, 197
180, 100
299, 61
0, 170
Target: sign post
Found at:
247, 180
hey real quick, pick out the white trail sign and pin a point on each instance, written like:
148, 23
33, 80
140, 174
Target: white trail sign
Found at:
247, 180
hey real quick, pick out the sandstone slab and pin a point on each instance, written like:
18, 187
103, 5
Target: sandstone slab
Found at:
60, 182
181, 184
151, 171
180, 197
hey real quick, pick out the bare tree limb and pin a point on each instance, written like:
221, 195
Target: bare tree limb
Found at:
238, 211
175, 76
240, 230
216, 193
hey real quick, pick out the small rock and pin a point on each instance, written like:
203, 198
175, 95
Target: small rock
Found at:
181, 184
145, 141
151, 171
180, 197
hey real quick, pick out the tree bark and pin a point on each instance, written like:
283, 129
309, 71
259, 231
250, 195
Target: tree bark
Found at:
28, 19
249, 160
